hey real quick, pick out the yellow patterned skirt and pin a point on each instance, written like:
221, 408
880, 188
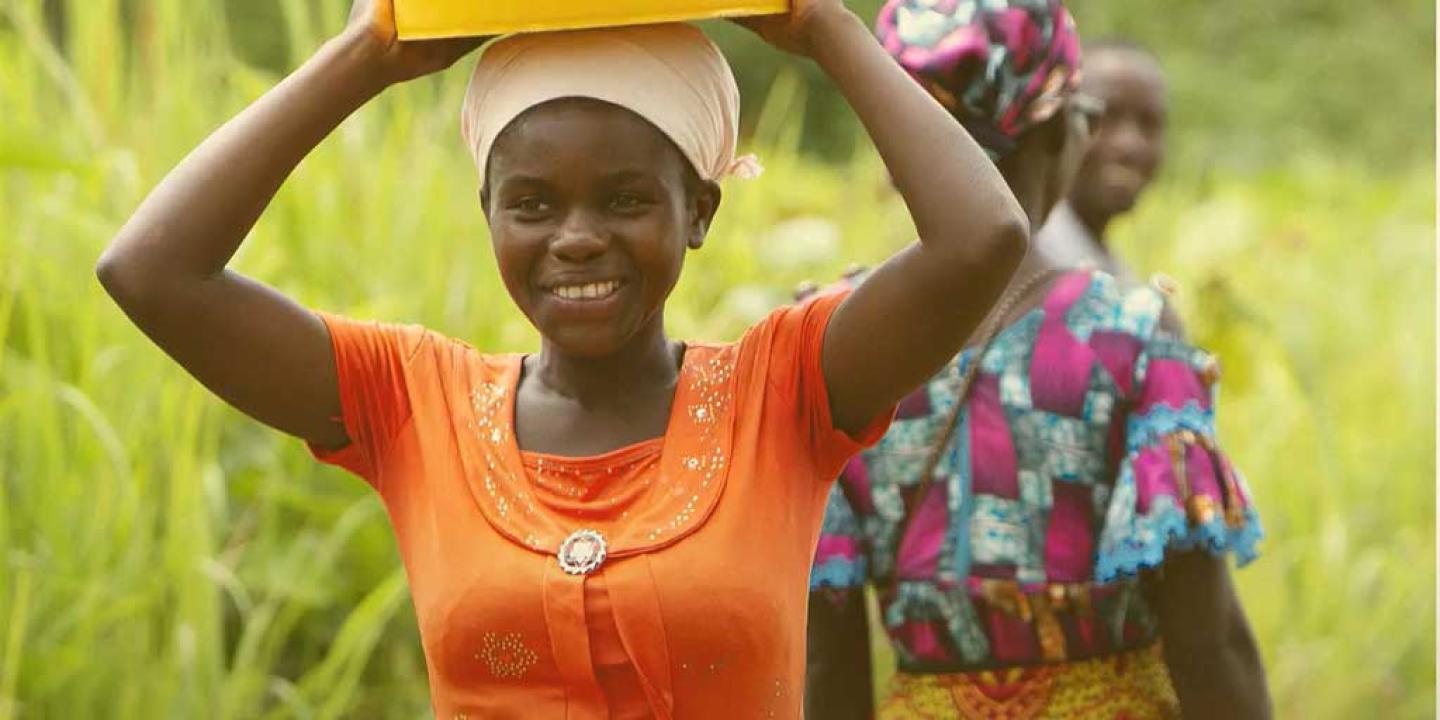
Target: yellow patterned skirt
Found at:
1130, 686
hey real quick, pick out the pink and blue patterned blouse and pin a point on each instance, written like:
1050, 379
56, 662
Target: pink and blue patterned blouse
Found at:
1086, 451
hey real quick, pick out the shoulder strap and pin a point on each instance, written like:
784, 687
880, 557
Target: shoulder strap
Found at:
987, 339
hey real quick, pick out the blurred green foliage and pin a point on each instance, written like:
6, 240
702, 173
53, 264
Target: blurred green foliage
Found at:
162, 556
1254, 83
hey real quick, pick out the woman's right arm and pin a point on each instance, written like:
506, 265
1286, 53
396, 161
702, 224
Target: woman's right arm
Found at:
255, 348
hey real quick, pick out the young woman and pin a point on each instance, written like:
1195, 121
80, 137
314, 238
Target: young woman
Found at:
1046, 522
620, 525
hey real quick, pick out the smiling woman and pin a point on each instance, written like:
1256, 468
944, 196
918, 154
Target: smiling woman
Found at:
574, 179
620, 525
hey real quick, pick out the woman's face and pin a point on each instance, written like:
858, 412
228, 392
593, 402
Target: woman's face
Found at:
591, 210
1129, 145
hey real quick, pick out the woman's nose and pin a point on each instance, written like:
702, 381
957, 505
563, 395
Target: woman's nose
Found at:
579, 239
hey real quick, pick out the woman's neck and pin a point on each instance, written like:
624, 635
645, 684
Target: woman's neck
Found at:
647, 363
1094, 220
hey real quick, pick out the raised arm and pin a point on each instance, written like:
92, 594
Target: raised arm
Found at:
252, 346
914, 312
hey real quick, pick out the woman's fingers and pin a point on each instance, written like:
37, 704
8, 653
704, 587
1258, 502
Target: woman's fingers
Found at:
753, 24
422, 57
773, 29
376, 17
792, 31
401, 61
455, 48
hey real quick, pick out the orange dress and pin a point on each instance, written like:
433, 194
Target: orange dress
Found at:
698, 608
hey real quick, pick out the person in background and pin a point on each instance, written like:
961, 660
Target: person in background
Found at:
1125, 155
1047, 522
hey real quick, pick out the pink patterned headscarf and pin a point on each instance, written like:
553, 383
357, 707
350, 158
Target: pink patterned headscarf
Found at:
1000, 66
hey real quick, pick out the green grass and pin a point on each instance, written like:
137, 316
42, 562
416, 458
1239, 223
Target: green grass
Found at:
163, 556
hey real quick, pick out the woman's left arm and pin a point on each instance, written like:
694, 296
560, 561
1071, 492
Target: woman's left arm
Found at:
912, 314
1213, 660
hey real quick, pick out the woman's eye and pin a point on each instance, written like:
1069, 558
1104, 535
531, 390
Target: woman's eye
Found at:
626, 202
531, 205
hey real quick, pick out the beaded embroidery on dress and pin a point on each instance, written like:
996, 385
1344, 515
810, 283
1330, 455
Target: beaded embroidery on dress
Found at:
691, 475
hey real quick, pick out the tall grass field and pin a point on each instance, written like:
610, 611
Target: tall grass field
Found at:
162, 556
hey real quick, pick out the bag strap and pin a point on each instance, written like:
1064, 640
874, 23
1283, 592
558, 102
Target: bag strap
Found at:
987, 338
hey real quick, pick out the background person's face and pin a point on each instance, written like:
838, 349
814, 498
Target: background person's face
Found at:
1129, 143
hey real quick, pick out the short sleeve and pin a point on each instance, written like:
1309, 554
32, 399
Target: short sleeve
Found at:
371, 361
1176, 489
840, 557
792, 341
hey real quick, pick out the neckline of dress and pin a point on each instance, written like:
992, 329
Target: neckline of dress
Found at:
693, 457
621, 455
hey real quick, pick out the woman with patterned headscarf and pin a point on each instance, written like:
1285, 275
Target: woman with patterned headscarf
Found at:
1047, 521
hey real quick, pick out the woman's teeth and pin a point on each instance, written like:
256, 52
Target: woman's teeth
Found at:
1121, 175
589, 291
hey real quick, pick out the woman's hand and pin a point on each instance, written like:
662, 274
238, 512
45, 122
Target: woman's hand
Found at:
796, 32
372, 25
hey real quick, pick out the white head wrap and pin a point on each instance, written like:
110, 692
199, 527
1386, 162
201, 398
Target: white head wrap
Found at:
671, 75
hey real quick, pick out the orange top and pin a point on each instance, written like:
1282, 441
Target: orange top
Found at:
601, 490
698, 609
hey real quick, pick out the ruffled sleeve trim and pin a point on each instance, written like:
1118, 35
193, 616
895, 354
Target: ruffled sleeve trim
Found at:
840, 559
1175, 491
838, 573
1167, 528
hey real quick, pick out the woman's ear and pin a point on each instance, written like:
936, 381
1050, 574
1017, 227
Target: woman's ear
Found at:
704, 203
485, 200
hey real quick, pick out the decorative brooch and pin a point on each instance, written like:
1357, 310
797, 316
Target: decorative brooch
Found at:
582, 552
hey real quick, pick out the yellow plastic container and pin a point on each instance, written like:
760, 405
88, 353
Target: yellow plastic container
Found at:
421, 19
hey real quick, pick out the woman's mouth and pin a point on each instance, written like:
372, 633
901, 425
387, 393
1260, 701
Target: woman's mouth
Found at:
1123, 178
586, 291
